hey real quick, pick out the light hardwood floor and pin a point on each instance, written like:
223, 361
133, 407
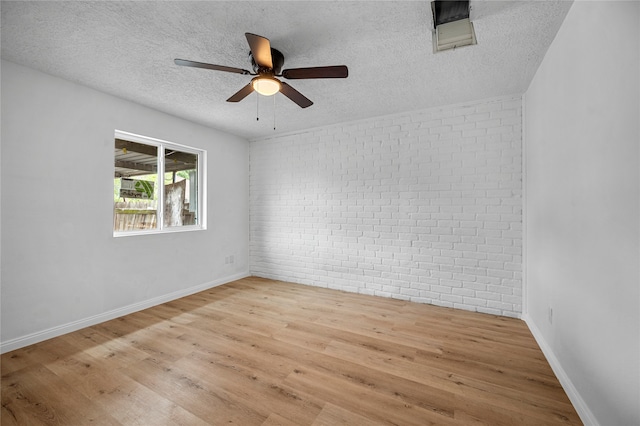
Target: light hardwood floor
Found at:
263, 352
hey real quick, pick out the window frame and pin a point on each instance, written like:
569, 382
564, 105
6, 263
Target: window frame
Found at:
162, 145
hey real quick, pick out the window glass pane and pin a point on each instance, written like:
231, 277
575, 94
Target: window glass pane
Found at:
135, 188
180, 188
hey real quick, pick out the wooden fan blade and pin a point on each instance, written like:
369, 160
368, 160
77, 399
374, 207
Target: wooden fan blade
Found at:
260, 50
241, 94
336, 71
186, 63
295, 96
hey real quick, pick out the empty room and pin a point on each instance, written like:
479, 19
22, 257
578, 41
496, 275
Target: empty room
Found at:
372, 213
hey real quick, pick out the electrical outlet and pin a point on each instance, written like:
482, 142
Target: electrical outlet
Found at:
550, 314
231, 259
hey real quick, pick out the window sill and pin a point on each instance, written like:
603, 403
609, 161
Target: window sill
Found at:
172, 230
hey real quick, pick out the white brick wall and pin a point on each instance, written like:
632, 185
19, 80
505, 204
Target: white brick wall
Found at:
423, 206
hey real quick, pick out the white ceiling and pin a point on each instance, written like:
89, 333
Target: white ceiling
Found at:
127, 49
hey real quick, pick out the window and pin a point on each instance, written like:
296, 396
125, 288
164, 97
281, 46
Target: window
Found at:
158, 186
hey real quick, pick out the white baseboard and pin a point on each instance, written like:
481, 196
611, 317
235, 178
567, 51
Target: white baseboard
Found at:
39, 336
581, 407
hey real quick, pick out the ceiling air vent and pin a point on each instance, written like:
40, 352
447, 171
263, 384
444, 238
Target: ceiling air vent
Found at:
452, 26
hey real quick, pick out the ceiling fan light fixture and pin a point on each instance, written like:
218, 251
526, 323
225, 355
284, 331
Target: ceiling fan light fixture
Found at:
266, 86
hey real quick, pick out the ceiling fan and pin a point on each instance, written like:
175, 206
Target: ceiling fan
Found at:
267, 65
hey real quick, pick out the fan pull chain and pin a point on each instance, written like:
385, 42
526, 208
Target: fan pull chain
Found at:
274, 112
257, 107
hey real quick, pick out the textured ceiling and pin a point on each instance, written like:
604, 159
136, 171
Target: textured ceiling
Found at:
127, 49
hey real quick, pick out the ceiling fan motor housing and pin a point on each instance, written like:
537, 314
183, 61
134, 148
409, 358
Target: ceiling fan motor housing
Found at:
277, 58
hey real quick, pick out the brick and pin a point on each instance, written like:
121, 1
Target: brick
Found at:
463, 292
487, 295
451, 298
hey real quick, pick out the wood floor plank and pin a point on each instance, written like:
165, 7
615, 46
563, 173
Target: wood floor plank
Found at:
363, 401
125, 399
38, 354
211, 403
266, 352
35, 395
518, 399
276, 419
332, 415
118, 351
266, 392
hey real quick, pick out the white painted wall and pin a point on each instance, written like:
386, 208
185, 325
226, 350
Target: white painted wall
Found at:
423, 206
61, 266
582, 209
